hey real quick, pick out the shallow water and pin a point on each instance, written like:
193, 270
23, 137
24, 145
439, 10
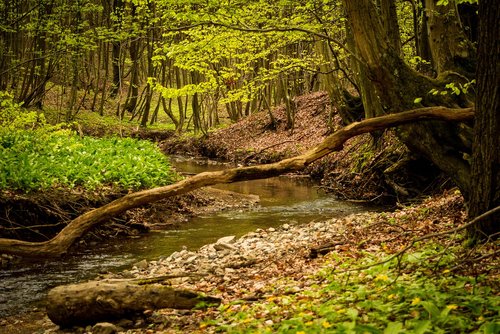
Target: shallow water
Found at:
282, 200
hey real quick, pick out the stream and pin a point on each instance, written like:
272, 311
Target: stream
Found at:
291, 200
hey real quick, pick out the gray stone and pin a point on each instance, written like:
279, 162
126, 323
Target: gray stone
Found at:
104, 328
141, 264
222, 246
226, 240
191, 259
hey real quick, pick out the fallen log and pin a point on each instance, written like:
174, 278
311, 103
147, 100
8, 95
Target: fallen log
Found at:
105, 300
82, 224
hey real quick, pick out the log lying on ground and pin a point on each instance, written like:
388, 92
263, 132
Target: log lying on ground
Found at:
94, 301
80, 225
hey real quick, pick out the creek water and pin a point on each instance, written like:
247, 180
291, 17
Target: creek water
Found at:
282, 200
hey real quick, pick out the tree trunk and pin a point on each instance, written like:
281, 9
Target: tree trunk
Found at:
90, 302
398, 86
450, 48
485, 195
117, 50
391, 25
82, 224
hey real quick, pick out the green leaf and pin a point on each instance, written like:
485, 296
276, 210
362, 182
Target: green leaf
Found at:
491, 328
417, 100
422, 326
393, 328
431, 308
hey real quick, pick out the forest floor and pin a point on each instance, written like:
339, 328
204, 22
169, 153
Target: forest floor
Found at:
309, 278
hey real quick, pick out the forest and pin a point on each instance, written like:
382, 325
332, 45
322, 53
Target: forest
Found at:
130, 120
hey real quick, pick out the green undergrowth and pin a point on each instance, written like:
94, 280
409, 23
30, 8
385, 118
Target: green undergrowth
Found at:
36, 156
382, 299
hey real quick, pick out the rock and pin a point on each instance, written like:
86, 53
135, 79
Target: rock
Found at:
125, 323
104, 328
286, 227
174, 255
127, 274
191, 259
141, 264
221, 246
271, 229
226, 240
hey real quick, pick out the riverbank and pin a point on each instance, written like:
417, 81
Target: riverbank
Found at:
269, 282
284, 279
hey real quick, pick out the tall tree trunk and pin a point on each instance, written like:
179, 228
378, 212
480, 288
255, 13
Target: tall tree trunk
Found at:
450, 48
485, 195
390, 24
133, 94
397, 86
116, 50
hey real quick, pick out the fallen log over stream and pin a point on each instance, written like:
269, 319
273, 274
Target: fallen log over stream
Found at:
82, 224
94, 301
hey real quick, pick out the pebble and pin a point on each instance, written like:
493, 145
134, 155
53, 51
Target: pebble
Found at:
226, 240
104, 328
224, 257
141, 264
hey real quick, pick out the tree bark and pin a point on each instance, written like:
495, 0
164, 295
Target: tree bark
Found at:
80, 225
90, 302
397, 86
450, 48
485, 195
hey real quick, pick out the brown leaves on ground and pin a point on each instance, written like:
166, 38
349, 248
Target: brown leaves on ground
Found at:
254, 140
271, 272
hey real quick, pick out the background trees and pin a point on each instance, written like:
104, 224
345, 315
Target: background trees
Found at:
199, 61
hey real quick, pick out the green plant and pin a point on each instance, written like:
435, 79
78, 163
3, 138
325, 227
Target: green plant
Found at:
380, 299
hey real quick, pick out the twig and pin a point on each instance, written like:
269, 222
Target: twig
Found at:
425, 237
476, 259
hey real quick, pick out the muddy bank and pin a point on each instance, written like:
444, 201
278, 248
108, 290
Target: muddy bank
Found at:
41, 215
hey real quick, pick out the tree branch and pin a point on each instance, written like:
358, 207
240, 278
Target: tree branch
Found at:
80, 225
272, 29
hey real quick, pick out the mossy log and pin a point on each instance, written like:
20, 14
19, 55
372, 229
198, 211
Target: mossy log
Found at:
82, 224
94, 301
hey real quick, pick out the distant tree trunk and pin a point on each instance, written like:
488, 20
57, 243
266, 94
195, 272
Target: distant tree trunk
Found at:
421, 37
450, 48
133, 94
116, 51
485, 193
180, 102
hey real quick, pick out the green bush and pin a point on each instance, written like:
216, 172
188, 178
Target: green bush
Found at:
35, 156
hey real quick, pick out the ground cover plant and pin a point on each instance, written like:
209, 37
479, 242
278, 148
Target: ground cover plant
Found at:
381, 299
404, 271
36, 155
